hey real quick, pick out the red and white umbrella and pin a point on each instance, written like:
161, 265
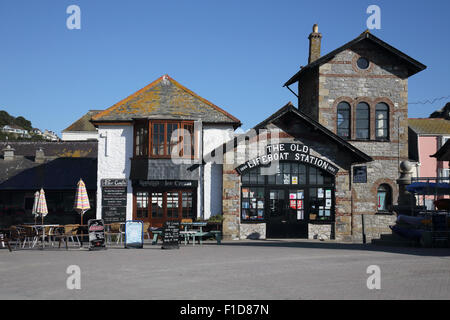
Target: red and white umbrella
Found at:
41, 208
81, 199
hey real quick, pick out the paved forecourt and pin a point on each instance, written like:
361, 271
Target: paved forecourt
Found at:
272, 269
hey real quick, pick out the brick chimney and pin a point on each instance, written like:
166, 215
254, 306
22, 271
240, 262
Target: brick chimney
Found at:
315, 38
8, 153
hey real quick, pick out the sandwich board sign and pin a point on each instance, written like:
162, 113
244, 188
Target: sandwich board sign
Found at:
96, 229
171, 235
134, 234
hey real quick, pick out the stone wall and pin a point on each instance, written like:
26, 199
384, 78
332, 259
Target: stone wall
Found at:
320, 231
319, 147
231, 202
374, 226
252, 231
384, 81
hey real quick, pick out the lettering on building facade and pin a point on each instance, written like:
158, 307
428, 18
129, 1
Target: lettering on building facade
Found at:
287, 152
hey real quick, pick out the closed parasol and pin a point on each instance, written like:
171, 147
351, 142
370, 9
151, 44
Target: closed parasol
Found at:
81, 199
35, 204
42, 210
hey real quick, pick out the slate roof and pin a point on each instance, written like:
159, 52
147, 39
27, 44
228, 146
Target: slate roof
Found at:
66, 163
64, 149
165, 99
58, 174
414, 66
84, 123
431, 126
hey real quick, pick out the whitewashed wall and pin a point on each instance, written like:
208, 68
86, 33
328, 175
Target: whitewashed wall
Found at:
115, 148
213, 137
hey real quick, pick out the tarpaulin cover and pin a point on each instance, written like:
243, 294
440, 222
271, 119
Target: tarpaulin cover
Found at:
425, 188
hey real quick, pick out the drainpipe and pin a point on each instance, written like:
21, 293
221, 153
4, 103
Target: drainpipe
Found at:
202, 178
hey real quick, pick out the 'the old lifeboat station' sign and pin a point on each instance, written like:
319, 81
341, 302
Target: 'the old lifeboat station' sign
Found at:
287, 152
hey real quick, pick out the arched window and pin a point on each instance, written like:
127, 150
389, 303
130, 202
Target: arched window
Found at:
382, 121
362, 121
343, 120
384, 197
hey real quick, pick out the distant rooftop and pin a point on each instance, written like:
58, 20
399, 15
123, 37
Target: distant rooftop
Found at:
83, 124
430, 126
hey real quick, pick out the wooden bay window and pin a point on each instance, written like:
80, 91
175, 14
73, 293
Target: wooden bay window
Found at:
154, 139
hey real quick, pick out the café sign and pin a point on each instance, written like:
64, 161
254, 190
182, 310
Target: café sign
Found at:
287, 152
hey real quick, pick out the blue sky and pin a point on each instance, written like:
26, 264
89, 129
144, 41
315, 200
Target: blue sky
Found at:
237, 54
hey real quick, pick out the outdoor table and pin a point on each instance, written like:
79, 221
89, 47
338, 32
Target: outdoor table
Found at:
187, 235
41, 228
193, 233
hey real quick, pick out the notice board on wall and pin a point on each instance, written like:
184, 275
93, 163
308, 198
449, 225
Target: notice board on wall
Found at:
114, 200
360, 174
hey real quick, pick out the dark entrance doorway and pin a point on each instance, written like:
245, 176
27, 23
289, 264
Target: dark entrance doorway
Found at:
288, 200
286, 215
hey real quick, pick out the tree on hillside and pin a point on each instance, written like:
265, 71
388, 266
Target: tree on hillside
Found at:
5, 118
24, 123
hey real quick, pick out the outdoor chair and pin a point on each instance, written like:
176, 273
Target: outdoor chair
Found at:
31, 235
49, 234
60, 234
70, 230
17, 235
115, 229
146, 229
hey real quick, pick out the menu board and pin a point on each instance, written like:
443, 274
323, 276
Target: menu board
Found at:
96, 229
134, 234
171, 235
114, 200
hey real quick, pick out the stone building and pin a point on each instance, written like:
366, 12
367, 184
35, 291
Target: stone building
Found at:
352, 114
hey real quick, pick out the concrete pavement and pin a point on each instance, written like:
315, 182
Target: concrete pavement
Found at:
275, 269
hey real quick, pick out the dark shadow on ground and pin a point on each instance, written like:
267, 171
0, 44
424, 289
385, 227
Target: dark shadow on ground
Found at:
432, 252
